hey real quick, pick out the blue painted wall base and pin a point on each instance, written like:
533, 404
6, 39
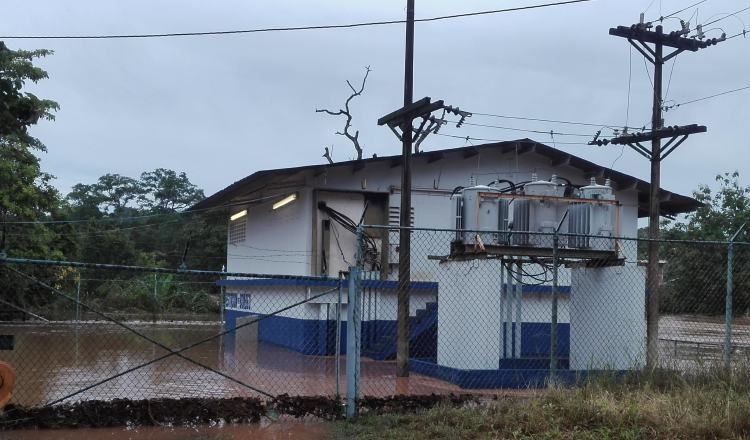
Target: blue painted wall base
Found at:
519, 378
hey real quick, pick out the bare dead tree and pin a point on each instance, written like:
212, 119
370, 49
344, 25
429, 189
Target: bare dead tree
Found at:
327, 154
347, 113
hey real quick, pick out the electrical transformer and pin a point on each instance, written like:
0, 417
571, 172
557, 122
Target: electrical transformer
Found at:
539, 213
479, 208
590, 218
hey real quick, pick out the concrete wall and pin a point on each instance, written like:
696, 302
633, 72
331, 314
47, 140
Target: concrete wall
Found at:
478, 325
607, 310
276, 241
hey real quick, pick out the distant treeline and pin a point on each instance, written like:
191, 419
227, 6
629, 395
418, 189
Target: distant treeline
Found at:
117, 219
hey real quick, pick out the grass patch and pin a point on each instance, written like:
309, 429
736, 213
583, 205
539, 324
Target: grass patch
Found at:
655, 406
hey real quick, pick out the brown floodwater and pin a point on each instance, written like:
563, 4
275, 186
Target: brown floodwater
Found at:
55, 360
269, 431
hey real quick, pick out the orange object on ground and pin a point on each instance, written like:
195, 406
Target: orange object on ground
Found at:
7, 380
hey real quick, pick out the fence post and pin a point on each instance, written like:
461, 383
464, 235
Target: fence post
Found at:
78, 299
353, 334
156, 301
729, 300
553, 328
338, 338
222, 298
353, 331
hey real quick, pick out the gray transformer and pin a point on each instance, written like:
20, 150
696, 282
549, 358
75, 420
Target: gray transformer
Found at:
539, 213
482, 209
594, 219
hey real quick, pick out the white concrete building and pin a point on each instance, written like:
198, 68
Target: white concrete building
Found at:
282, 223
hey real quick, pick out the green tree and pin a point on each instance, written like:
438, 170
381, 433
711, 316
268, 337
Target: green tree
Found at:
695, 274
165, 191
112, 195
26, 192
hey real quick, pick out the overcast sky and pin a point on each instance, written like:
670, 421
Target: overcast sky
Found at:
222, 107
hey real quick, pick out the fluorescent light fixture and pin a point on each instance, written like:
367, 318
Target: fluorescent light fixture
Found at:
238, 215
285, 201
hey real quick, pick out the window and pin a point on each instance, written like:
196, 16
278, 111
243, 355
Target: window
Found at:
237, 230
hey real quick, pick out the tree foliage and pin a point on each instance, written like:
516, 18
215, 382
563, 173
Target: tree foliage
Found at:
26, 192
117, 219
695, 274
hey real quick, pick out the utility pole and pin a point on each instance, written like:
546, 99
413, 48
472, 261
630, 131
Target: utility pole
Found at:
404, 236
640, 36
410, 137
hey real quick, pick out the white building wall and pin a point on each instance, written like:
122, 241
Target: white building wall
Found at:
472, 310
607, 327
276, 241
269, 299
282, 240
380, 304
469, 321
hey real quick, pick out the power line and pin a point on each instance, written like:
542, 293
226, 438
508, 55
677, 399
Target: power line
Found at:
283, 29
679, 11
145, 216
731, 14
705, 98
743, 33
104, 231
501, 127
552, 121
470, 138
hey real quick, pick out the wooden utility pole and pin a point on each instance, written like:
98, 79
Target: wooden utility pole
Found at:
404, 243
654, 211
640, 36
403, 120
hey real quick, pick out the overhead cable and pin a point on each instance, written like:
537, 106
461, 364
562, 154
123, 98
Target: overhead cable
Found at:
679, 11
283, 29
527, 130
553, 121
470, 138
145, 216
704, 98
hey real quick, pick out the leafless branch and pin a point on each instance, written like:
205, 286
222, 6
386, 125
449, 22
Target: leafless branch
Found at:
354, 138
327, 155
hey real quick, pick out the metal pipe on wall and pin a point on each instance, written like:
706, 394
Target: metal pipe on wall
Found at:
502, 307
519, 292
509, 294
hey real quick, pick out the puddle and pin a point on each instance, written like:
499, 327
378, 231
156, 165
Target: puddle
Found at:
268, 431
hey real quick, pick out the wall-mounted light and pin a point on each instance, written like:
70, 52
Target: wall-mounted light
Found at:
238, 215
285, 201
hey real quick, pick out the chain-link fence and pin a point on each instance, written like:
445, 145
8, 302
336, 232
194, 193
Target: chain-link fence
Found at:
505, 310
99, 332
488, 312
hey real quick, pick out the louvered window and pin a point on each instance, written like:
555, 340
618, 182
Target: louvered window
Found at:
394, 219
237, 231
394, 216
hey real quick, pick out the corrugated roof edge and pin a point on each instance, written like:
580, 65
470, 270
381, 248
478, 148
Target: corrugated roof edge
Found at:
672, 203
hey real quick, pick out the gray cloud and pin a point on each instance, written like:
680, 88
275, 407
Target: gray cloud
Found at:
221, 108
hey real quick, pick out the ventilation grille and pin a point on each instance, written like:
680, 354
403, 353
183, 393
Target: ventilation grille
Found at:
394, 216
579, 222
237, 231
